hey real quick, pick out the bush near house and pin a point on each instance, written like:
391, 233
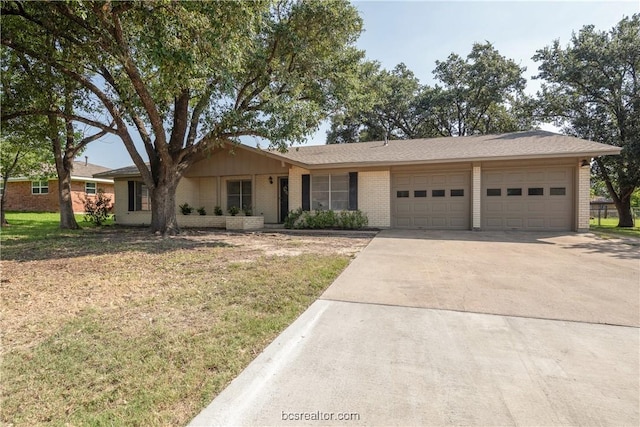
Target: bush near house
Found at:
349, 220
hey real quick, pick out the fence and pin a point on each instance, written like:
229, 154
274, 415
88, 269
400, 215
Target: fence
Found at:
605, 212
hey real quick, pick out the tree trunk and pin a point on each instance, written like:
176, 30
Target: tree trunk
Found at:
163, 203
67, 217
623, 206
3, 219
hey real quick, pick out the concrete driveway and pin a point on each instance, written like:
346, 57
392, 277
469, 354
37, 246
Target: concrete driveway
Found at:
450, 328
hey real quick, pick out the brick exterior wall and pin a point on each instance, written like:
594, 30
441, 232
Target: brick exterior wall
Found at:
19, 197
374, 197
584, 186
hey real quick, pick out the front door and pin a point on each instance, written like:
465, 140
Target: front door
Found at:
283, 195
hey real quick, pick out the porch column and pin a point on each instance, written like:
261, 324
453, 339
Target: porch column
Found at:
218, 195
476, 197
583, 186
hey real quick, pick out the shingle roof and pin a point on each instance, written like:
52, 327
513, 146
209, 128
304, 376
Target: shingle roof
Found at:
125, 171
86, 170
532, 144
519, 145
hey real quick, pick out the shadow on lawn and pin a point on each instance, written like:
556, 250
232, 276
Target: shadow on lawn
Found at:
109, 240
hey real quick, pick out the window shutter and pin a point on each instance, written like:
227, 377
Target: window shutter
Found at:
306, 192
353, 191
132, 195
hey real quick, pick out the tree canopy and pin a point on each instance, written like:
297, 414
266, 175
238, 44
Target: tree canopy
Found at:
190, 76
479, 94
592, 90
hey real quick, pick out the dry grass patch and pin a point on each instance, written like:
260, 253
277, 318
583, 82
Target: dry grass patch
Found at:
146, 331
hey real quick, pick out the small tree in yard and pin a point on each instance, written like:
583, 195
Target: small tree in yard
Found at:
97, 209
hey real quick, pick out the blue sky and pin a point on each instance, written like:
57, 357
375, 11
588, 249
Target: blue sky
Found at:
420, 32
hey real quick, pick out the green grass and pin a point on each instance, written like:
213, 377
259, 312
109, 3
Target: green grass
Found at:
609, 226
39, 225
124, 328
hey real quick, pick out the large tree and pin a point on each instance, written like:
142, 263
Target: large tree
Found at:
479, 94
383, 106
190, 76
592, 89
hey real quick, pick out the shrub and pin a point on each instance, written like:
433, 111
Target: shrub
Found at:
233, 210
217, 211
98, 209
292, 217
202, 211
351, 220
186, 209
247, 211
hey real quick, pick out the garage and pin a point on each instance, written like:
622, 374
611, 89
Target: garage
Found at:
536, 198
431, 200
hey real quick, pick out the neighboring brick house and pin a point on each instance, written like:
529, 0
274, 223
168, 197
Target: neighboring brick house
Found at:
533, 180
26, 195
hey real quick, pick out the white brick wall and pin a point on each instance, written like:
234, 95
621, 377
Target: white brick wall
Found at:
374, 197
476, 197
584, 186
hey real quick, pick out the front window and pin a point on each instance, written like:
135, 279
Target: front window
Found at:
90, 187
143, 201
239, 194
330, 192
40, 187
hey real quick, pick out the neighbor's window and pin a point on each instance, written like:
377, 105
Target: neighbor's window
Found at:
557, 191
239, 194
420, 193
401, 194
494, 192
90, 187
40, 187
143, 201
457, 193
514, 191
330, 192
437, 193
535, 191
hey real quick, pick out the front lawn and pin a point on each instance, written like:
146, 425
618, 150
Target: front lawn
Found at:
115, 326
610, 226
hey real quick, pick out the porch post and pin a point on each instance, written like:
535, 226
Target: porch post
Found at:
477, 195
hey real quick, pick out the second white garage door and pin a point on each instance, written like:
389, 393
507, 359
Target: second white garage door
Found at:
431, 200
528, 199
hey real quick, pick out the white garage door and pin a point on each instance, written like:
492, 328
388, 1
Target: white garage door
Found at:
528, 199
431, 200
